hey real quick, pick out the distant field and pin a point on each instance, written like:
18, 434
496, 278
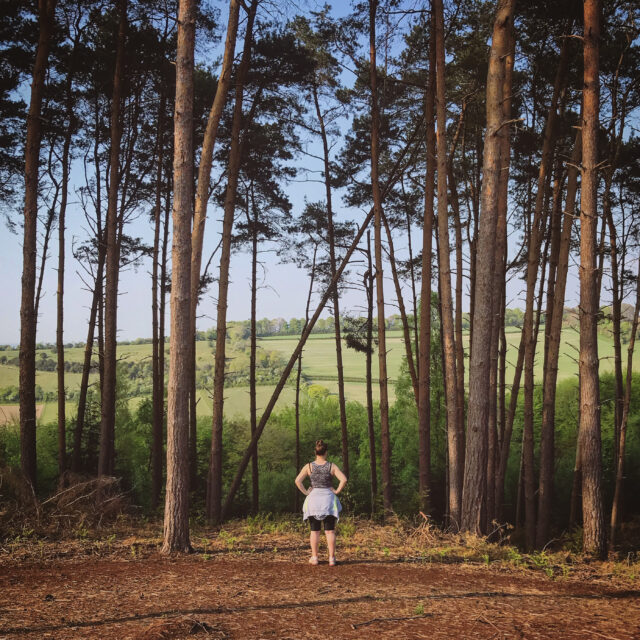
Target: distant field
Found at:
11, 413
319, 356
318, 364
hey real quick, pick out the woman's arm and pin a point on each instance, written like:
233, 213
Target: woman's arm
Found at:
304, 472
335, 470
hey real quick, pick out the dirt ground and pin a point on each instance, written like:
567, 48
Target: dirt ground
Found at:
276, 594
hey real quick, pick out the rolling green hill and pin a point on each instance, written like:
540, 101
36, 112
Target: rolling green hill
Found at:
318, 366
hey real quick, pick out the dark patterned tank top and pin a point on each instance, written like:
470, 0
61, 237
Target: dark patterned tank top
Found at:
320, 475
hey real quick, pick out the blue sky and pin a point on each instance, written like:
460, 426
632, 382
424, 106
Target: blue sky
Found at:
285, 295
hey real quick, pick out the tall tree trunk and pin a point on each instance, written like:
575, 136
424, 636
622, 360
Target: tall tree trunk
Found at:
458, 295
162, 311
108, 411
95, 302
499, 294
616, 317
455, 431
617, 496
590, 438
406, 330
299, 371
424, 344
535, 240
28, 316
214, 485
377, 205
101, 327
253, 225
66, 153
547, 431
76, 463
369, 286
475, 470
176, 514
414, 295
157, 390
336, 293
202, 200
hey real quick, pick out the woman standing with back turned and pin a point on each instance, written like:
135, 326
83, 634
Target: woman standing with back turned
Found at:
322, 504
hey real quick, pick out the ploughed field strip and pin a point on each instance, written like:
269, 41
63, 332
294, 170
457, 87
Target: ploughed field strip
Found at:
227, 596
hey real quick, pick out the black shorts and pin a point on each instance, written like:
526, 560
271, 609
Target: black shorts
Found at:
329, 523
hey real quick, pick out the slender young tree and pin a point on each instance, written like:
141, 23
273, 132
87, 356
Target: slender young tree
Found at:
28, 314
590, 438
369, 287
455, 431
547, 431
108, 410
424, 343
536, 237
377, 207
176, 514
66, 157
96, 300
157, 400
336, 293
617, 497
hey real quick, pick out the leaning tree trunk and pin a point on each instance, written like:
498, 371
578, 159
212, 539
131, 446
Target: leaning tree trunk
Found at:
474, 491
377, 205
108, 410
176, 513
214, 485
202, 200
28, 316
424, 343
592, 508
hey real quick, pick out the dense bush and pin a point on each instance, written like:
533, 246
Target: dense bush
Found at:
320, 418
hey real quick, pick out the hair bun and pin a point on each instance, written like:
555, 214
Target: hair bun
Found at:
321, 448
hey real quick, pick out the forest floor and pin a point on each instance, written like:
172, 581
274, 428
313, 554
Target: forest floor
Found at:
251, 580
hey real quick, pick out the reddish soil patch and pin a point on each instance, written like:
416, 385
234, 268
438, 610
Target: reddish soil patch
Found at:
237, 597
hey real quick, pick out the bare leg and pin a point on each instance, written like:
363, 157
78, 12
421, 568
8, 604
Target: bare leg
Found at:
331, 543
314, 539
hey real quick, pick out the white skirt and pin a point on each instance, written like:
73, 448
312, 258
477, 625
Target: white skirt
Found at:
321, 503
